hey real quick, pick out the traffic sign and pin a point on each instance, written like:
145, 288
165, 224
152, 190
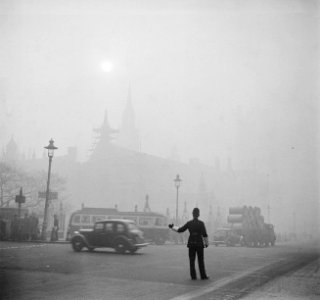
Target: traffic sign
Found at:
20, 198
52, 195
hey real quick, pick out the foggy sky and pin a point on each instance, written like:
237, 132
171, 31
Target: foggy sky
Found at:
211, 79
194, 71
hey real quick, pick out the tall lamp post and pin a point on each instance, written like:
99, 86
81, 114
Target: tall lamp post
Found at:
51, 149
177, 182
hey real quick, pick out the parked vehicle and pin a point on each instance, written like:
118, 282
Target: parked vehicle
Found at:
228, 237
249, 223
121, 235
153, 225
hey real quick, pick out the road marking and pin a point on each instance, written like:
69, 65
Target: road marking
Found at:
216, 285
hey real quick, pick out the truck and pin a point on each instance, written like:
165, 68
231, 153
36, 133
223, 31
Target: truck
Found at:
248, 222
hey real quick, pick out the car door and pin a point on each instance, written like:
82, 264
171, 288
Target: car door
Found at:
109, 234
99, 235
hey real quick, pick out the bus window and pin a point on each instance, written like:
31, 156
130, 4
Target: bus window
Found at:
85, 219
76, 219
134, 219
97, 218
146, 221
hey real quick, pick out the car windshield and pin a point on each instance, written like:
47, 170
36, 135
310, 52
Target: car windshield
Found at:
132, 226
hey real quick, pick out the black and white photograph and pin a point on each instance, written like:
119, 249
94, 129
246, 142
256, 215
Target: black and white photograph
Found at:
159, 149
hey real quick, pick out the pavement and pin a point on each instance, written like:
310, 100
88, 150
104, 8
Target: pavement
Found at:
287, 279
301, 284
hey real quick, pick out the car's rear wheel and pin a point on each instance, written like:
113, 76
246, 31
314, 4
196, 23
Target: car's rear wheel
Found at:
133, 250
121, 246
77, 244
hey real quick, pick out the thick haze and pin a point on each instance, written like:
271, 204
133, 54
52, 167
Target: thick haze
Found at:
227, 79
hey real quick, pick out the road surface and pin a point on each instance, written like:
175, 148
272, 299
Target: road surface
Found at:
54, 271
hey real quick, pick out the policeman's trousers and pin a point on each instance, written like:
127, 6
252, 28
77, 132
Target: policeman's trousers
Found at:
193, 252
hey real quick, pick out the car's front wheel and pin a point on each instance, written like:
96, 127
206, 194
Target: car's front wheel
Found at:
77, 244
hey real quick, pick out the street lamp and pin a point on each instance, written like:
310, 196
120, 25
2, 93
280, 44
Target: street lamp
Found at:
177, 182
51, 149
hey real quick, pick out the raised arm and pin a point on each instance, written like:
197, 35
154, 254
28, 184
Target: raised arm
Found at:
177, 228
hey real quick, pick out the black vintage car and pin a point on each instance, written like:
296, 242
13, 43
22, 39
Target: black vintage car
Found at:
121, 235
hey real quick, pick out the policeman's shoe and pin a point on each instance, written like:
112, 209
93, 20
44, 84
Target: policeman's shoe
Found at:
205, 278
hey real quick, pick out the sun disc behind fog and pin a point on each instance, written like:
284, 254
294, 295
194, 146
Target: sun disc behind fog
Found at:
106, 66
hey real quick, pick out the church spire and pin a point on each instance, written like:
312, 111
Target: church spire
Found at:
128, 136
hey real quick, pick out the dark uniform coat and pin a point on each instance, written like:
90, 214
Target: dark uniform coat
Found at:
197, 231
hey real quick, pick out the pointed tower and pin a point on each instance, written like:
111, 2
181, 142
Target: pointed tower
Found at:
103, 139
146, 205
5, 116
185, 212
128, 134
12, 153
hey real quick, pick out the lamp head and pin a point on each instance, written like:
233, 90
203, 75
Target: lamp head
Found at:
51, 147
177, 181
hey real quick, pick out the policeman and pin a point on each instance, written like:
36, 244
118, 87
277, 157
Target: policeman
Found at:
198, 239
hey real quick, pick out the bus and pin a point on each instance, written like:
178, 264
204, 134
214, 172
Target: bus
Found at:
153, 225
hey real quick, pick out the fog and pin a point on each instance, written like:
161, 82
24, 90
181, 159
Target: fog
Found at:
235, 80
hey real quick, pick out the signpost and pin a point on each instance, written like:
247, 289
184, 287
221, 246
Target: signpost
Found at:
20, 199
52, 195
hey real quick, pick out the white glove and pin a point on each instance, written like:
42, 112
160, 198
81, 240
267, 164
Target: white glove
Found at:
175, 228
